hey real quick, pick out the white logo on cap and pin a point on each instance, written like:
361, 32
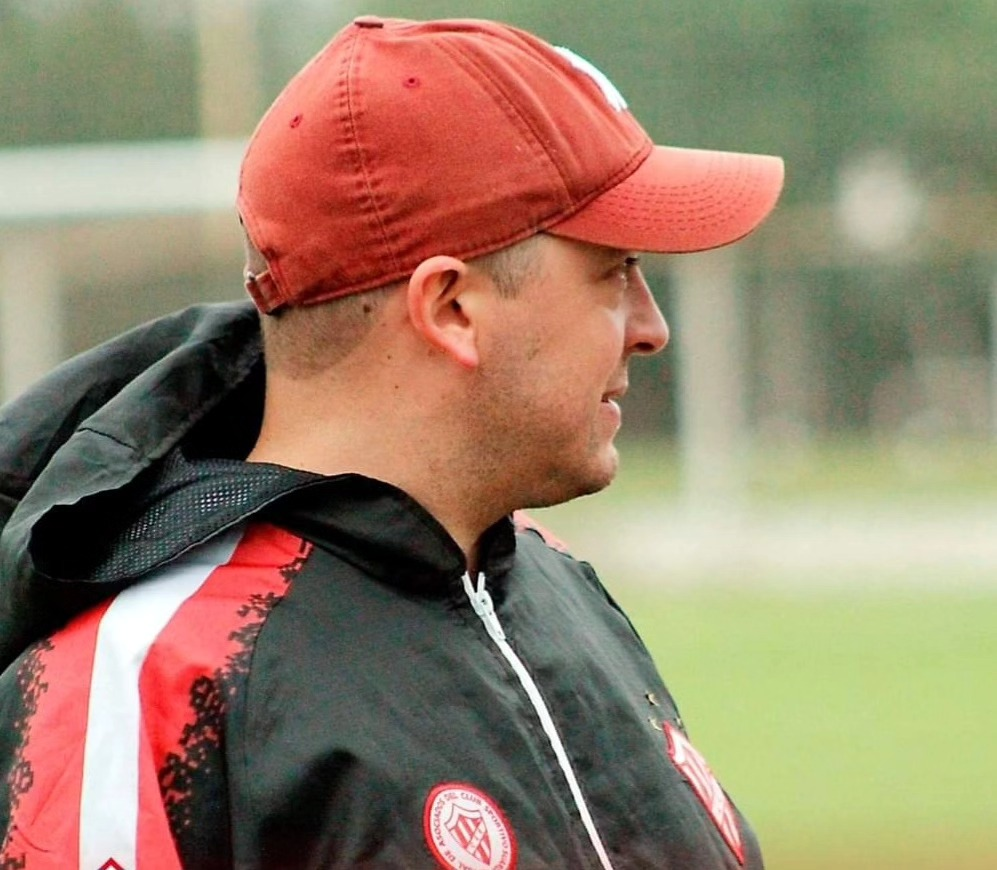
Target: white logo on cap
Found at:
609, 90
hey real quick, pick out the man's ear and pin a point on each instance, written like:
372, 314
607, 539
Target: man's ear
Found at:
438, 294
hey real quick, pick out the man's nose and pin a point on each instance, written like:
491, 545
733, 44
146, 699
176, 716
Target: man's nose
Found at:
648, 331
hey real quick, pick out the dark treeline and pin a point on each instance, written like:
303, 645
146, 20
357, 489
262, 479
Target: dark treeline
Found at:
829, 84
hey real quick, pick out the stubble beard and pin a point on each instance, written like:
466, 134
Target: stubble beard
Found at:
562, 482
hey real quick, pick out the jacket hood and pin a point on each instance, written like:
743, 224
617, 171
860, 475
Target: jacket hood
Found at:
76, 445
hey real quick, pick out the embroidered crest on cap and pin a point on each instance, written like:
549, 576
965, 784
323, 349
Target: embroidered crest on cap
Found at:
694, 768
609, 90
466, 830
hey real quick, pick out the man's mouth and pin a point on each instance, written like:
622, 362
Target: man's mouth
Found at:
614, 395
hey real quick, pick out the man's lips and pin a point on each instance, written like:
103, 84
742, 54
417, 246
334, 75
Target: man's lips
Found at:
615, 394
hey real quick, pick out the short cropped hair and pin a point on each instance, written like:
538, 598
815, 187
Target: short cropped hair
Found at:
301, 341
509, 268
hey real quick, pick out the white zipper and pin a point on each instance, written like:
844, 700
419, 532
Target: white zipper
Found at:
481, 601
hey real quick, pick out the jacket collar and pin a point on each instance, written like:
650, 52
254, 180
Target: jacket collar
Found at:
113, 538
387, 534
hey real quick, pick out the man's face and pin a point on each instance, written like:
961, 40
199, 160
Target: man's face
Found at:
554, 366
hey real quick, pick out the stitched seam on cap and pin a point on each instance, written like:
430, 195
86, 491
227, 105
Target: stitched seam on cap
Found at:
249, 218
384, 279
708, 210
575, 206
360, 155
481, 77
628, 169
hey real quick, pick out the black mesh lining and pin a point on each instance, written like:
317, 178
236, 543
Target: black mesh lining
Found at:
178, 504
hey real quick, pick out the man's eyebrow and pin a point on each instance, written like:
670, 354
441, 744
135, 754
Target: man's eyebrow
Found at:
613, 254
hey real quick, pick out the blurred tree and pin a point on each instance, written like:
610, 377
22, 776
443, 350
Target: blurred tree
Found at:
88, 70
825, 83
815, 80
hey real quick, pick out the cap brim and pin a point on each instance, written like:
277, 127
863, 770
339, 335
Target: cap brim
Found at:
681, 200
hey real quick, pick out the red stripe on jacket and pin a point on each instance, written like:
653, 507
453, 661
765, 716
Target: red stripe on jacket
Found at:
189, 669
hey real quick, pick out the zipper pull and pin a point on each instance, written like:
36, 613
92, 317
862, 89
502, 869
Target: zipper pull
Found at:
481, 601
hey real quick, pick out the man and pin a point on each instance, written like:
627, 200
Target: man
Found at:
280, 616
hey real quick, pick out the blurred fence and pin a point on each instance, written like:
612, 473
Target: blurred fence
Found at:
867, 304
112, 222
96, 238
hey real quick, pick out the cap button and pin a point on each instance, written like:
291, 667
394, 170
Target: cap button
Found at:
368, 21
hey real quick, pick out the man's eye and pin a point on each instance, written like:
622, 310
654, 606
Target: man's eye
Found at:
626, 269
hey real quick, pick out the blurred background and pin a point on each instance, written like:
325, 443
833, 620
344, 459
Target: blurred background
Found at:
803, 525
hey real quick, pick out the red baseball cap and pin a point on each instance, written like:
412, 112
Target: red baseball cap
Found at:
403, 139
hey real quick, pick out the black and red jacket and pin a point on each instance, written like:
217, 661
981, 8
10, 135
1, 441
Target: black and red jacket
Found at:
216, 664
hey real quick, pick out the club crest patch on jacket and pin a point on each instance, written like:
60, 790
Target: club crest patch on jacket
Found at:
466, 830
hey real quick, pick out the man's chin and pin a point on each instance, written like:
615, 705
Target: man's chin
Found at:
598, 484
602, 471
595, 478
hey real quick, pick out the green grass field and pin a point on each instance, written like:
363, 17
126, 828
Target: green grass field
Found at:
855, 723
854, 730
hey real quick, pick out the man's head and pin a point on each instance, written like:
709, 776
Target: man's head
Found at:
451, 213
401, 140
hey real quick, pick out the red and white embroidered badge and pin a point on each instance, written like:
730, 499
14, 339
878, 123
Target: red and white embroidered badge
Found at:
694, 768
466, 830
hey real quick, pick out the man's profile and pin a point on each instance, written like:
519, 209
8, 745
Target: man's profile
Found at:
265, 599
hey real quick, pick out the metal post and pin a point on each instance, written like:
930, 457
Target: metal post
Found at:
229, 59
993, 357
229, 89
784, 411
712, 417
31, 328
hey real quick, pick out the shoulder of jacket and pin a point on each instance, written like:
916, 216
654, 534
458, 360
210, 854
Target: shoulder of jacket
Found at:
525, 524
